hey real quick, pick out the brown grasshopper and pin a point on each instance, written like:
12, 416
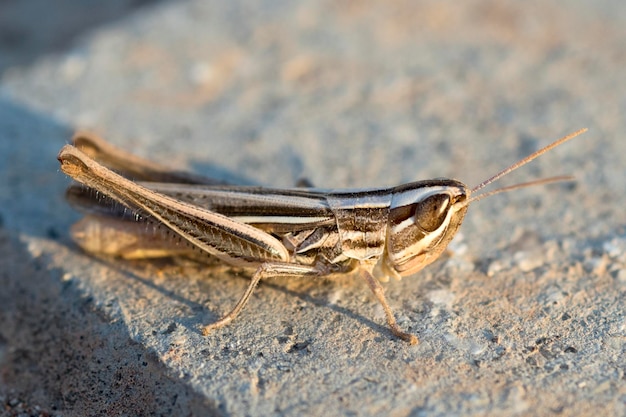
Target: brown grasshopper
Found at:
379, 233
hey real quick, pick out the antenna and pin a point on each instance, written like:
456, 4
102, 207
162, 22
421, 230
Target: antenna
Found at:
526, 160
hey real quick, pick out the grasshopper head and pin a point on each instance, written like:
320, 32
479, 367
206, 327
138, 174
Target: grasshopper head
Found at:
424, 216
423, 219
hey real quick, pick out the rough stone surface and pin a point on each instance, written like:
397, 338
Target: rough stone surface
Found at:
526, 317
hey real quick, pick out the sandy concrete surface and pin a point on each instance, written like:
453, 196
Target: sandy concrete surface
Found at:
525, 316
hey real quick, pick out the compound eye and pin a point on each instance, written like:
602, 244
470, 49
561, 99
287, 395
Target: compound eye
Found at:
431, 212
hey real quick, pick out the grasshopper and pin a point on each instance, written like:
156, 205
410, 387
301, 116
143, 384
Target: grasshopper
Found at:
377, 233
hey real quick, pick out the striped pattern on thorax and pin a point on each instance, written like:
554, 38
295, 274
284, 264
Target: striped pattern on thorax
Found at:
361, 222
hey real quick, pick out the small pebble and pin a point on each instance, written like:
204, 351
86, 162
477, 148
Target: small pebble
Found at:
527, 261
